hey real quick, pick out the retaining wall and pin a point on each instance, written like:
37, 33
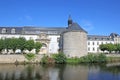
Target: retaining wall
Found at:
17, 58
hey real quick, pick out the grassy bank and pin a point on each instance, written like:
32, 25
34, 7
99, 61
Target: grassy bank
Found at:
90, 58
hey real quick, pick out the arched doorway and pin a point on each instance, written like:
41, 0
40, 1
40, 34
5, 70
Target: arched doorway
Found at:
44, 48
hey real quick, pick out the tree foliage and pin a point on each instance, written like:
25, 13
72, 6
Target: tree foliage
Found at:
38, 45
19, 43
110, 47
29, 45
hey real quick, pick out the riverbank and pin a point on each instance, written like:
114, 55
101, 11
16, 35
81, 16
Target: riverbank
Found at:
90, 58
18, 59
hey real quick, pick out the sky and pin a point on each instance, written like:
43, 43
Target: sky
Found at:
97, 17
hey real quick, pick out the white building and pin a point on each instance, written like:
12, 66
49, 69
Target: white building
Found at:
94, 41
50, 37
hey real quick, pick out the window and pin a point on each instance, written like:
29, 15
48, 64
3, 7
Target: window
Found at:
58, 39
97, 48
93, 49
44, 45
88, 43
101, 42
93, 43
88, 49
97, 43
12, 31
4, 30
31, 38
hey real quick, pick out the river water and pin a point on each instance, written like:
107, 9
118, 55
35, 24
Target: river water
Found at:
60, 72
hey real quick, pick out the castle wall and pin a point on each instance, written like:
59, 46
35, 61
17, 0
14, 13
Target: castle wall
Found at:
75, 43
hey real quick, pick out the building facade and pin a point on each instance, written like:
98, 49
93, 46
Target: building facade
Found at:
72, 40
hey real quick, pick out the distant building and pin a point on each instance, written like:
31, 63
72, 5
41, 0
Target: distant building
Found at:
94, 41
72, 40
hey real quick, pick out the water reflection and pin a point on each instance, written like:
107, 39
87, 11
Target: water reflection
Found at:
59, 72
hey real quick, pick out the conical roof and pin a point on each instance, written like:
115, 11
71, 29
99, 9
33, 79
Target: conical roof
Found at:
76, 26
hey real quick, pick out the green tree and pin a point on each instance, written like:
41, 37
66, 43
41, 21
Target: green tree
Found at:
110, 47
13, 43
6, 44
1, 45
38, 45
103, 47
21, 44
29, 45
117, 47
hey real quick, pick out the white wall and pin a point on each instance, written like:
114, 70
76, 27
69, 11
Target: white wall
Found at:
93, 46
54, 44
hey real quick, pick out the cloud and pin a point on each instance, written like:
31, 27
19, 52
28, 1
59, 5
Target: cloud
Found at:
87, 25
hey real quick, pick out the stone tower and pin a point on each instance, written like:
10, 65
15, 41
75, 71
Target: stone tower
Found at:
74, 40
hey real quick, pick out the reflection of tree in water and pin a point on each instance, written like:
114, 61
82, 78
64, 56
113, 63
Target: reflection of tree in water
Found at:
61, 70
31, 73
112, 69
27, 73
102, 66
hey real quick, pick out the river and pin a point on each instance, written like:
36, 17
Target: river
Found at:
60, 72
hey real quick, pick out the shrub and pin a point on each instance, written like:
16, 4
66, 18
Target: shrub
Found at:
93, 58
47, 60
102, 58
44, 59
59, 58
30, 56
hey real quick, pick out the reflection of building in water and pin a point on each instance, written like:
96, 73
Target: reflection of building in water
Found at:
38, 72
76, 72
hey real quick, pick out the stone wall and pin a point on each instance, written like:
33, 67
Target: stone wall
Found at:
17, 58
75, 43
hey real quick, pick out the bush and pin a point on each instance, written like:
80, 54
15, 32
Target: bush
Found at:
44, 59
93, 58
102, 58
59, 58
29, 56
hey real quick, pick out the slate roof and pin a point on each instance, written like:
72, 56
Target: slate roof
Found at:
99, 38
114, 35
18, 30
47, 30
76, 26
33, 30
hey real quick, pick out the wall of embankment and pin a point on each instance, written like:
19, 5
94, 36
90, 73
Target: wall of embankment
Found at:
18, 58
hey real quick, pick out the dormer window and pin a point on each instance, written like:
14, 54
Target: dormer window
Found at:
4, 30
13, 31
